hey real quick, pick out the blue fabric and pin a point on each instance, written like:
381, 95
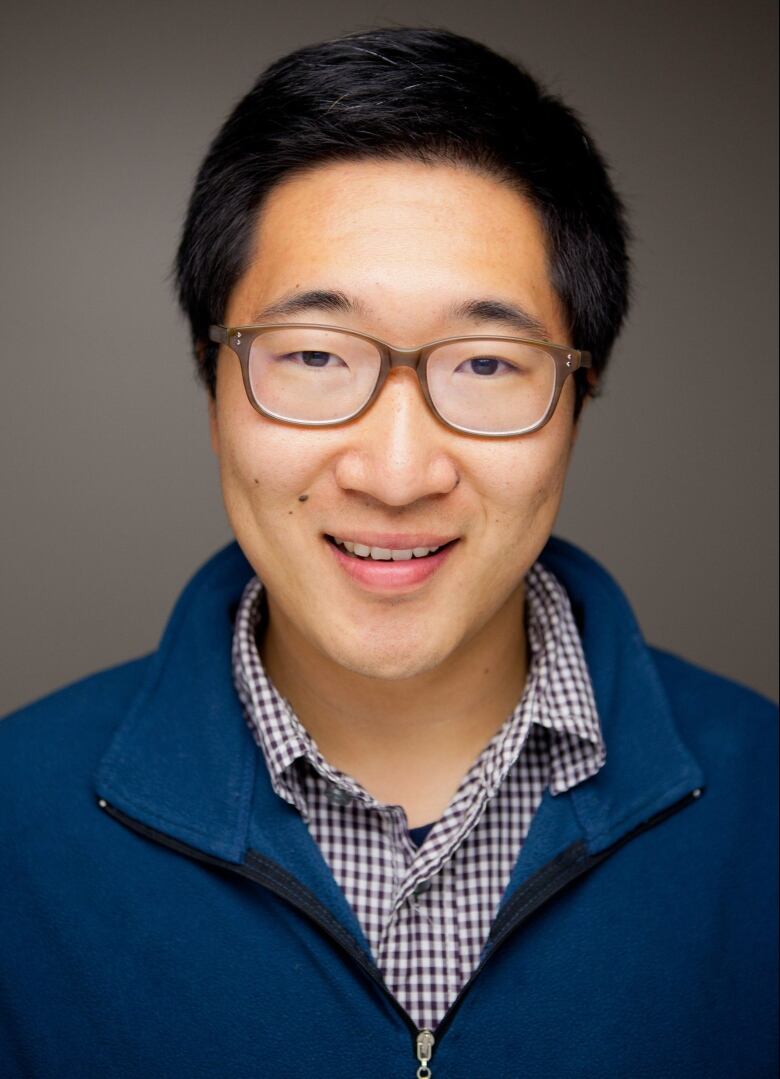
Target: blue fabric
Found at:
417, 835
121, 957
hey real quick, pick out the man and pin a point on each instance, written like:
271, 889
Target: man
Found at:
403, 791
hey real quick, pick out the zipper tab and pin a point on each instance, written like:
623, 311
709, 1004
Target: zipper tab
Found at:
425, 1040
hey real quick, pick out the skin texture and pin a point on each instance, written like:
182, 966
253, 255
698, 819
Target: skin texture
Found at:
402, 692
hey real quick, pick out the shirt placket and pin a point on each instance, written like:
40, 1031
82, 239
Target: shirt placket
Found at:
460, 817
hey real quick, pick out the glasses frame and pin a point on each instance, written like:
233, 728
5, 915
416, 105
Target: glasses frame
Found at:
239, 339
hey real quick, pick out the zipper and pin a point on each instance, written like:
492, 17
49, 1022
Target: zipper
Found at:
262, 870
571, 863
424, 1044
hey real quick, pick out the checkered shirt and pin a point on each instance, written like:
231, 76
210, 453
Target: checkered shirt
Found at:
426, 912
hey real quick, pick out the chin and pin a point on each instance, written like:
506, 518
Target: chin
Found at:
388, 664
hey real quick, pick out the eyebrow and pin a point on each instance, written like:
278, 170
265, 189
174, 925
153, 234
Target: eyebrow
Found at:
512, 316
485, 310
313, 300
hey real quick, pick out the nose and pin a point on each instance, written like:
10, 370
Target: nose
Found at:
398, 452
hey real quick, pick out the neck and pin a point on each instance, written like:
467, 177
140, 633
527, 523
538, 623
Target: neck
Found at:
408, 742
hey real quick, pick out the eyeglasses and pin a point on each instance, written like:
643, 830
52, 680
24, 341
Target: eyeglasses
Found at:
319, 376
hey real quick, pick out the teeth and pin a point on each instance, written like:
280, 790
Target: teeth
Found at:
384, 554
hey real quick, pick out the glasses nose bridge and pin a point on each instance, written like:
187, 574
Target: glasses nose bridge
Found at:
404, 357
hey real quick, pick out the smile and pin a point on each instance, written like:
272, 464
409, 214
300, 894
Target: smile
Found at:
384, 554
390, 567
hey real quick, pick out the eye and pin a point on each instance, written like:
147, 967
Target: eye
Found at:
312, 358
484, 366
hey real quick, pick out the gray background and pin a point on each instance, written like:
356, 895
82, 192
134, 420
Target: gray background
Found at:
110, 495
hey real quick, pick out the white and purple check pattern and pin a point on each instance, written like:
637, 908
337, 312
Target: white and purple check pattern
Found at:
427, 912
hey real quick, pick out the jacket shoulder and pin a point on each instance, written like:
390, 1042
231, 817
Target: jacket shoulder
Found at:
67, 729
692, 686
731, 729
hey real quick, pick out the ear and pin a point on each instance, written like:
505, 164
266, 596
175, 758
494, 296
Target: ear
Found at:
200, 350
575, 430
213, 424
592, 378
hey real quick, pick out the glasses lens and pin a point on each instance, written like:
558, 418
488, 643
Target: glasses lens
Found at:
312, 375
491, 386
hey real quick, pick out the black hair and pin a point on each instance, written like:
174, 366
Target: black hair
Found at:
417, 94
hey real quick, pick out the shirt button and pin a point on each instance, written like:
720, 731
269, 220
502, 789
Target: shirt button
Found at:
337, 796
423, 887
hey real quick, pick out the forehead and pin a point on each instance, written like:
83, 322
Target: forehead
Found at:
401, 236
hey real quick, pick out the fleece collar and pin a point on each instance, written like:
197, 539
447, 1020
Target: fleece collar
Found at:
182, 760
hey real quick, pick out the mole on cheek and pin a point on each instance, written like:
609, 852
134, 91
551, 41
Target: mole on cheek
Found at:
303, 498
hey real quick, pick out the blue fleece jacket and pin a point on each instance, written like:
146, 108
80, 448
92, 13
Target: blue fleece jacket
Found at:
164, 915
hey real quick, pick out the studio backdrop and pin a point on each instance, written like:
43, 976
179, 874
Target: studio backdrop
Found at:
110, 494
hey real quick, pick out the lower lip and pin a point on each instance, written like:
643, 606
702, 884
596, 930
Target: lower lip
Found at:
389, 576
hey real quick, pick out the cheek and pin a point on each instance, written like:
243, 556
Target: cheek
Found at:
261, 464
525, 484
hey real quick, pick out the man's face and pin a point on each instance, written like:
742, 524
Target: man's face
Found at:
405, 243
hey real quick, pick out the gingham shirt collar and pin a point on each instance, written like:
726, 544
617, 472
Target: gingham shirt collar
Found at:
558, 695
426, 912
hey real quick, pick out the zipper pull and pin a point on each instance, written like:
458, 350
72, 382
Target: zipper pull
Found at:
425, 1040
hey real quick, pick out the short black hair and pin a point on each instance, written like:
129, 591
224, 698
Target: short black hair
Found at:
416, 94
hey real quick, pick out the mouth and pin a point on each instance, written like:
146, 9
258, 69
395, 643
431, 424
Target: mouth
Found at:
399, 564
377, 553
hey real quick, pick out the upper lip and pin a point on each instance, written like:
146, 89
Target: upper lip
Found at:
394, 541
